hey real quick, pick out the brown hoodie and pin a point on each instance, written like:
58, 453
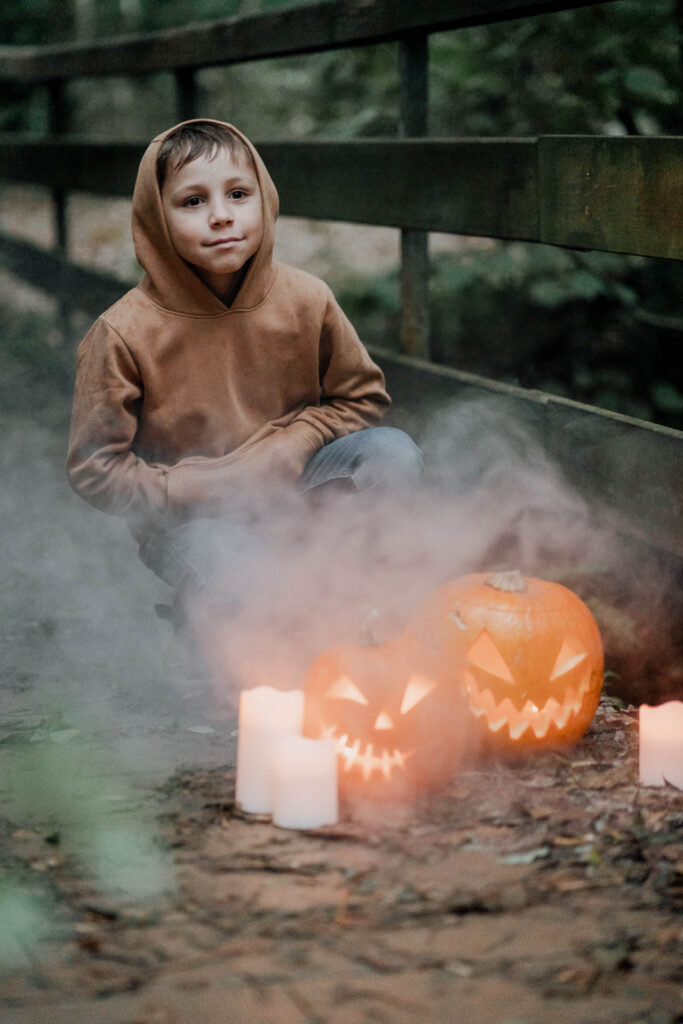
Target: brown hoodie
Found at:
183, 405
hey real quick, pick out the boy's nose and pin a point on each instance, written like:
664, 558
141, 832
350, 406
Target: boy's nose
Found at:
220, 212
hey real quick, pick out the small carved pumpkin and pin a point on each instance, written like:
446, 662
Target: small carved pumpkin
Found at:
396, 719
526, 652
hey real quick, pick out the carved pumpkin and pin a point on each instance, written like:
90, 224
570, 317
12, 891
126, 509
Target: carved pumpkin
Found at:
526, 652
396, 719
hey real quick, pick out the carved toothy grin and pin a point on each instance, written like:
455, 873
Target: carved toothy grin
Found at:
518, 720
366, 759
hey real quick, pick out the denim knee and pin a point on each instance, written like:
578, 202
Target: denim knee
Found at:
383, 457
388, 458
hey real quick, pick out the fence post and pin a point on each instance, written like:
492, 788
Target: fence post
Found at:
58, 118
413, 122
185, 93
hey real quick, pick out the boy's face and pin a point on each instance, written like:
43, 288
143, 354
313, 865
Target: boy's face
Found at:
213, 211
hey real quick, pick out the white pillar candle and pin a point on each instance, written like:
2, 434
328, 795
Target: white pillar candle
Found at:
661, 744
265, 714
304, 783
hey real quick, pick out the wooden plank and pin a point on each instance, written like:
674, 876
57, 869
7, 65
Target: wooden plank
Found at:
186, 93
631, 473
618, 194
413, 65
415, 299
58, 124
58, 120
394, 183
478, 187
616, 201
101, 168
76, 286
300, 29
628, 471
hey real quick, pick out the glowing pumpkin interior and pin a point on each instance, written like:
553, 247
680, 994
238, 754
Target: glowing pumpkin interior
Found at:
395, 719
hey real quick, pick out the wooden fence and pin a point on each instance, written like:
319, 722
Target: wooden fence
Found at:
614, 194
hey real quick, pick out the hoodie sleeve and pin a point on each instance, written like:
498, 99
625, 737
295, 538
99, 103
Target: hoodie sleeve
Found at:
353, 395
101, 466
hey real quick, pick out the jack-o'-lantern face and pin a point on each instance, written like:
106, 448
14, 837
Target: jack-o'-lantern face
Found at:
528, 656
395, 720
545, 694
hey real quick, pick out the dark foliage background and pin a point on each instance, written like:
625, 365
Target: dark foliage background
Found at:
601, 328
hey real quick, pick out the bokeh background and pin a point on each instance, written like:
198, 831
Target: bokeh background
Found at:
598, 327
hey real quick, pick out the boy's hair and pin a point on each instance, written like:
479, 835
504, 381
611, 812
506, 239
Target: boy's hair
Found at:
199, 138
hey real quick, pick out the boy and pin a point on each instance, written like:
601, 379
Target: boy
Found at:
224, 378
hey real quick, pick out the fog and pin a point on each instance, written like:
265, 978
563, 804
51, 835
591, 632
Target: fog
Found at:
491, 500
95, 714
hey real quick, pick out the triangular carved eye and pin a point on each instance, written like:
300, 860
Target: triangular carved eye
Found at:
344, 689
417, 689
569, 657
484, 654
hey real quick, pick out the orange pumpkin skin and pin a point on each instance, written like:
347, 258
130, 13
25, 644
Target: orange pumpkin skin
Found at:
530, 661
397, 720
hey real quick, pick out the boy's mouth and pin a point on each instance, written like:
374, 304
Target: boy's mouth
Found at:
222, 241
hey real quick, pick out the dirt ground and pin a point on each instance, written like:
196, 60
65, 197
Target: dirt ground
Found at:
550, 892
133, 892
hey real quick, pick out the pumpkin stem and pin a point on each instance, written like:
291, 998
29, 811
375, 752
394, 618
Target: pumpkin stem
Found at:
513, 582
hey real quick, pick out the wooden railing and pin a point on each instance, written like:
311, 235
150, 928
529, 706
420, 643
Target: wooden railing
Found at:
588, 192
329, 25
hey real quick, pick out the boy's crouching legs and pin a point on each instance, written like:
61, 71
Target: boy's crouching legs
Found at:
377, 458
209, 561
212, 565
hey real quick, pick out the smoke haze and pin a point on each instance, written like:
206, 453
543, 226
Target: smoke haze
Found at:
88, 695
491, 500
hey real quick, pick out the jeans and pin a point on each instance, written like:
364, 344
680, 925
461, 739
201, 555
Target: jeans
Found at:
379, 458
216, 559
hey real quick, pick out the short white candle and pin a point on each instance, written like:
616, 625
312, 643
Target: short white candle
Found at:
661, 744
304, 783
265, 714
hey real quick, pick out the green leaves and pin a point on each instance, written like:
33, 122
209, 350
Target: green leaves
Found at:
667, 397
614, 68
566, 322
649, 84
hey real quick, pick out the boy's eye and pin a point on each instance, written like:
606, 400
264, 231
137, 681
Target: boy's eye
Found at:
238, 193
193, 201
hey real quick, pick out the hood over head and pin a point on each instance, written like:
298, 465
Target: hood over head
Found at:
169, 280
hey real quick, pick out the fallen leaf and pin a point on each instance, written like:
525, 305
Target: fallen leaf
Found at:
571, 884
539, 813
527, 857
572, 840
